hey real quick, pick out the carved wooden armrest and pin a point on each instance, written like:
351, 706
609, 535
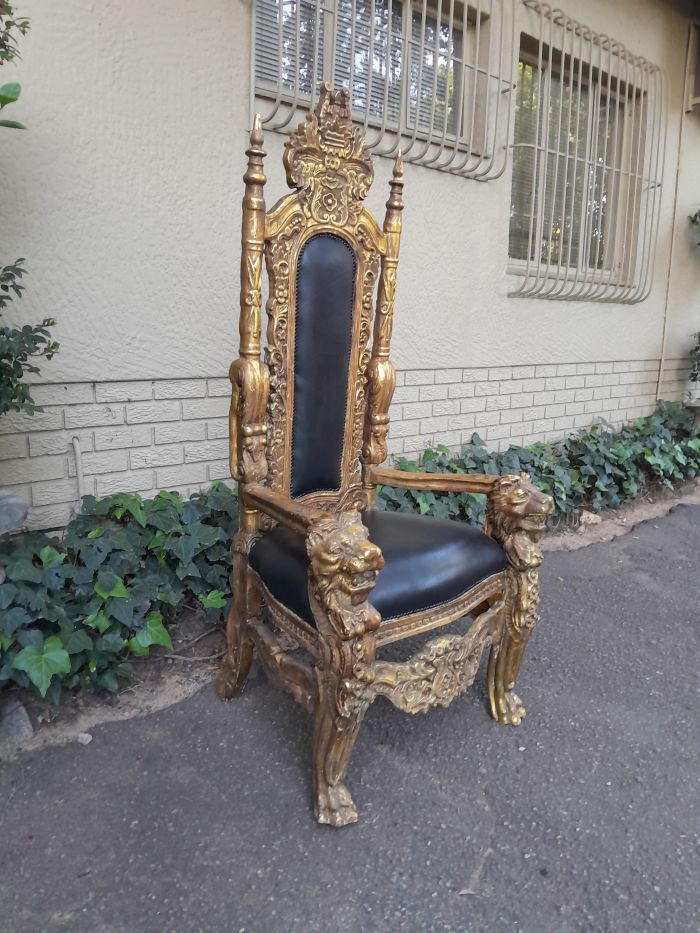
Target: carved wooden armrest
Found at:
343, 562
435, 482
295, 515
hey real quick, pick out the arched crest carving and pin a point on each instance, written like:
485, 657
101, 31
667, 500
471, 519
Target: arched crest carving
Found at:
326, 160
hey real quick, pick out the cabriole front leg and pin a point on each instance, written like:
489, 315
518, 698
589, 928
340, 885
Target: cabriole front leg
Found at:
505, 657
517, 514
343, 566
343, 690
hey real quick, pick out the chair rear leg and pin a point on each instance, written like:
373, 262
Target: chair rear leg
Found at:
239, 647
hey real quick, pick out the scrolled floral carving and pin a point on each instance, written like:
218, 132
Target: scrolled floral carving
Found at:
443, 669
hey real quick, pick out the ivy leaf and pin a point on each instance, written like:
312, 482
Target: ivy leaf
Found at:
109, 585
8, 592
123, 610
96, 533
129, 503
40, 664
98, 620
153, 633
213, 600
49, 555
75, 640
111, 642
108, 680
14, 619
24, 570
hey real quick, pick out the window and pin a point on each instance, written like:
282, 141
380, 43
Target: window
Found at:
586, 167
423, 76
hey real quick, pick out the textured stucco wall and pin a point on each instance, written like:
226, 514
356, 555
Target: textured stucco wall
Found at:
124, 196
684, 284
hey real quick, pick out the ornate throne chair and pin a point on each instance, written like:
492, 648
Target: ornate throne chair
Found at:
315, 564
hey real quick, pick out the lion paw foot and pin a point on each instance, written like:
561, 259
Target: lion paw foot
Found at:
513, 711
334, 806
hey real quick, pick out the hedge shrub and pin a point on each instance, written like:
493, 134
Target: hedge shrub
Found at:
73, 611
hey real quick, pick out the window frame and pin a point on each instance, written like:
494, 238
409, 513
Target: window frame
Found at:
619, 270
403, 127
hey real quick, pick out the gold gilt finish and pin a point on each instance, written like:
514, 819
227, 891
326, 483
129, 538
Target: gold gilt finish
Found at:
330, 173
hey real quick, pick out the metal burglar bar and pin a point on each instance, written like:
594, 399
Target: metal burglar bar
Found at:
429, 77
589, 144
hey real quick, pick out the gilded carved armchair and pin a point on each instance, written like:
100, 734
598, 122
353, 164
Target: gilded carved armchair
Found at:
315, 565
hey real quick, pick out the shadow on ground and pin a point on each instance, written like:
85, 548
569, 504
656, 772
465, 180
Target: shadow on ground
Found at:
583, 819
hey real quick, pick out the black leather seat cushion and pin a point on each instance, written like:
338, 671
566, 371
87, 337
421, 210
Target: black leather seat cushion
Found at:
427, 561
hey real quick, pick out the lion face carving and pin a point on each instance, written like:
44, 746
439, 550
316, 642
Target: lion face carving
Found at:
517, 505
343, 568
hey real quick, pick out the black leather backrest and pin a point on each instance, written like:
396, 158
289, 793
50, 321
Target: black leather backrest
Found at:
322, 345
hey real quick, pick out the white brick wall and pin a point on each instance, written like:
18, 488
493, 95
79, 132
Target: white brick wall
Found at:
140, 436
148, 435
522, 404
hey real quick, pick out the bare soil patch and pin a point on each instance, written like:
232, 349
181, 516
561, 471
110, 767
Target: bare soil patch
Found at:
616, 522
159, 681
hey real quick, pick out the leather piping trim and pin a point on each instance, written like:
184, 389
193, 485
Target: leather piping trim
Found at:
424, 620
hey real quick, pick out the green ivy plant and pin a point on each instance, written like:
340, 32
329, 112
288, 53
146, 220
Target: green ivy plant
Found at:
73, 611
597, 467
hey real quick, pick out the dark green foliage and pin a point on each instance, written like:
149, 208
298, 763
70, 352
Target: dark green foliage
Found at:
72, 611
596, 468
11, 26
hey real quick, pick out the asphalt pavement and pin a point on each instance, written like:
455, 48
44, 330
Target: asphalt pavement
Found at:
585, 818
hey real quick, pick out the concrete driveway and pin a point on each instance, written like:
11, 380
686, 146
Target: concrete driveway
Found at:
586, 818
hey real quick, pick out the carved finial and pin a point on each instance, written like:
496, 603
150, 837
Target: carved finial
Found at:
254, 174
395, 204
256, 134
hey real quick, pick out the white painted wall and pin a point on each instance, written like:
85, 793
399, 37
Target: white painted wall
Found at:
124, 195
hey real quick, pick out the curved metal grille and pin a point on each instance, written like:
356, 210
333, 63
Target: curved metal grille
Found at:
589, 142
430, 77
